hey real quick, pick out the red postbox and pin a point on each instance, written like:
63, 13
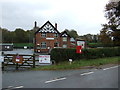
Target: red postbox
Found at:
78, 49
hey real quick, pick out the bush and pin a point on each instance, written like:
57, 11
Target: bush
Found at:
21, 45
60, 54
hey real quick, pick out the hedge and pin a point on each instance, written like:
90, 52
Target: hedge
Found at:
61, 54
95, 45
21, 45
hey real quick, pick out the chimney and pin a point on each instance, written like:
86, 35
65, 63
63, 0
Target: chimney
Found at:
35, 24
56, 25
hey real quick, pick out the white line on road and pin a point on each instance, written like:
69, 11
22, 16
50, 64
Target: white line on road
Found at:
19, 87
55, 80
110, 68
86, 73
12, 87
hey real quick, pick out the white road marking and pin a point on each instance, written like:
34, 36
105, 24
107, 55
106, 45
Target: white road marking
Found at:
110, 68
13, 87
55, 80
86, 73
10, 86
19, 87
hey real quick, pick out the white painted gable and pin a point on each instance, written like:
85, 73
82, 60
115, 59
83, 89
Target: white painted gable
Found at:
48, 29
64, 35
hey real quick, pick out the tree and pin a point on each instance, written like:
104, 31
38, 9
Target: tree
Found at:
112, 13
90, 38
105, 36
21, 36
72, 33
6, 35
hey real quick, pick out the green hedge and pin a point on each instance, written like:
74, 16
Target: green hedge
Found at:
95, 45
21, 45
60, 54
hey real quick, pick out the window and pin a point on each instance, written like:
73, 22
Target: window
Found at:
43, 45
56, 44
55, 35
64, 46
38, 46
64, 39
43, 34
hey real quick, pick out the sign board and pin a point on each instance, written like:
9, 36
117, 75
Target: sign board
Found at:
17, 59
1, 59
70, 60
81, 43
44, 59
25, 47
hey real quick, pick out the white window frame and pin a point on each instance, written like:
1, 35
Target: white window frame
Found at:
43, 45
64, 46
64, 39
43, 35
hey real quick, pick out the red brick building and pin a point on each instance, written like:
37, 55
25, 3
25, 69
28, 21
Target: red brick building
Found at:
48, 37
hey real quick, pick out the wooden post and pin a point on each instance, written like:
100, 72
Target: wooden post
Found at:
33, 60
3, 66
16, 66
3, 62
16, 62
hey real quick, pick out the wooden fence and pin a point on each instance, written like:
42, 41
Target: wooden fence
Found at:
27, 60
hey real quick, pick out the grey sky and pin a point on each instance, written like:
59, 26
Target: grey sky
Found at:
85, 16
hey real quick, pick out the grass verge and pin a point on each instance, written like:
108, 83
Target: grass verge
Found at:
80, 63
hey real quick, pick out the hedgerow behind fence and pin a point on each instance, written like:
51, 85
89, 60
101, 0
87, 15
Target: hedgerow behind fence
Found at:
61, 54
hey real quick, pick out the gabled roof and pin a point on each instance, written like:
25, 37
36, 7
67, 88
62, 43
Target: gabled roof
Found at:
47, 28
64, 34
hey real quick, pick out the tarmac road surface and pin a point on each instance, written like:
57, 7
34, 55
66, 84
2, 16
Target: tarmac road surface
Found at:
105, 77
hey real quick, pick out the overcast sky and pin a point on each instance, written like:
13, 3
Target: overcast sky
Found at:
84, 16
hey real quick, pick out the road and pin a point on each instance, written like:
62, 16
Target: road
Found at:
105, 77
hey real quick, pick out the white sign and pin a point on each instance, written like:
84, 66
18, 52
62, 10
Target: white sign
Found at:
25, 47
17, 59
49, 38
44, 59
70, 60
1, 58
81, 43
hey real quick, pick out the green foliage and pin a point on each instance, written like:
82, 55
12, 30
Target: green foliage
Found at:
95, 45
82, 63
17, 36
21, 45
60, 54
111, 29
72, 33
90, 38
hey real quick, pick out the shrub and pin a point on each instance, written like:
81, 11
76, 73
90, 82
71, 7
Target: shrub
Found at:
61, 54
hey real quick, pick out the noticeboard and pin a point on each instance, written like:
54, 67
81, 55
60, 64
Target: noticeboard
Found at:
81, 43
44, 59
17, 59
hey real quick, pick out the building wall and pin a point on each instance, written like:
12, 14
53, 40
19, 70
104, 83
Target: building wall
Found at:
65, 42
49, 40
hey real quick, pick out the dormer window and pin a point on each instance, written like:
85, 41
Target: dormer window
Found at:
43, 35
